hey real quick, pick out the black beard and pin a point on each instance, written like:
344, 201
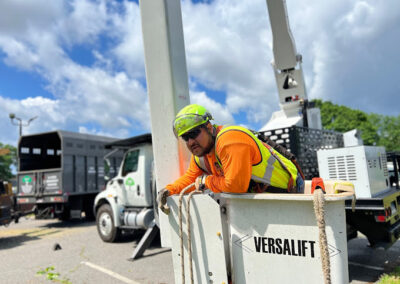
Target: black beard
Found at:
211, 146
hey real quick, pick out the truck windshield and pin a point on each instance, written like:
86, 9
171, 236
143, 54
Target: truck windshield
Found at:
131, 162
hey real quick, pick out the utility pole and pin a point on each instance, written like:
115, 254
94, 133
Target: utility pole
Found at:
20, 123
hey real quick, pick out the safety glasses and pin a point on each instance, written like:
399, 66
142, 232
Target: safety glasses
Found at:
191, 134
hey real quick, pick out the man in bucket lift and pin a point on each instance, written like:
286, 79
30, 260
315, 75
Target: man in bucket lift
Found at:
229, 159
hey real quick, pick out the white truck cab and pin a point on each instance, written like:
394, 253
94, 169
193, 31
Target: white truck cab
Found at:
127, 201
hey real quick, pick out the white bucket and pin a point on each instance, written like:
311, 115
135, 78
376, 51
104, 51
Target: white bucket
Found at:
275, 238
259, 238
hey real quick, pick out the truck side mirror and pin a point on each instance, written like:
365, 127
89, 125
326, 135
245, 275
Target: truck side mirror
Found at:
107, 166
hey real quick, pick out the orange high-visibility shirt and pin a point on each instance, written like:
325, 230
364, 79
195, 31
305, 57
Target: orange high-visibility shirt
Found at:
238, 152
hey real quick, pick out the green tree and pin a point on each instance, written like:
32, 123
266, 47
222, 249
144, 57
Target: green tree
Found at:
390, 133
376, 129
6, 161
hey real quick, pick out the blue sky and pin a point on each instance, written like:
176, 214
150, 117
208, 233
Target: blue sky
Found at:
79, 65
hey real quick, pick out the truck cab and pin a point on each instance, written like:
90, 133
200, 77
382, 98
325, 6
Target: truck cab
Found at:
127, 201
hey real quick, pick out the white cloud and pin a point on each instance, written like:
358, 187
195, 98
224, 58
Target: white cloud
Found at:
94, 131
111, 99
358, 20
220, 113
128, 30
349, 48
226, 46
18, 54
46, 109
84, 22
19, 17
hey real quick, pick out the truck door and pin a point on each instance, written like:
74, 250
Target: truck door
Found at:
131, 178
51, 182
28, 183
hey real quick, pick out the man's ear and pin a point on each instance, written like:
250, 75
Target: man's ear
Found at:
209, 127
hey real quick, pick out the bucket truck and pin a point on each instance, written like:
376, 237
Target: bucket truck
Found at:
330, 155
297, 125
214, 239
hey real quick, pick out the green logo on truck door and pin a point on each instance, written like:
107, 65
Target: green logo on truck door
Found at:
26, 179
129, 182
26, 185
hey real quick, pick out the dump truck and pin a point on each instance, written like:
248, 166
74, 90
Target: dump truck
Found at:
61, 172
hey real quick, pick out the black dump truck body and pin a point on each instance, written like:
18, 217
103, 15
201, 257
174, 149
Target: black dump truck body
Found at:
61, 172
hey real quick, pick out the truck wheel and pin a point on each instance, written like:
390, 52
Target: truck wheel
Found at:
105, 224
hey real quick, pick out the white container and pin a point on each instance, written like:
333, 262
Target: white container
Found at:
275, 238
210, 238
260, 238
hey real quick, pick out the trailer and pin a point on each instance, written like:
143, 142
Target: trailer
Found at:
60, 172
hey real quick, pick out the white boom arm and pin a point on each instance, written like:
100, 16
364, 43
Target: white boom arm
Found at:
167, 87
167, 80
288, 73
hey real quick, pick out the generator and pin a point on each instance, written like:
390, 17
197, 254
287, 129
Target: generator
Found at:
376, 212
364, 166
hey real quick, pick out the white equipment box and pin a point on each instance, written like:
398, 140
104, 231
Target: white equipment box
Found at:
259, 238
364, 166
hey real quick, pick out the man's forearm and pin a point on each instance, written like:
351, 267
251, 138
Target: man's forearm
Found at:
179, 184
221, 184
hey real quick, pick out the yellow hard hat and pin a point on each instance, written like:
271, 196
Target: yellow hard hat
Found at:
190, 117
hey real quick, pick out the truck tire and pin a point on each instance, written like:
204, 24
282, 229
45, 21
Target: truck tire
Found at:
105, 224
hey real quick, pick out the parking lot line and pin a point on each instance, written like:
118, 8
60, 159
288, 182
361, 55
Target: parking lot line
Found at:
109, 272
366, 266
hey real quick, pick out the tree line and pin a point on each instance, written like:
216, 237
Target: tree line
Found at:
7, 158
376, 129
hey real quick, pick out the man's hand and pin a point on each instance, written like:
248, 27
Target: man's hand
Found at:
162, 200
200, 182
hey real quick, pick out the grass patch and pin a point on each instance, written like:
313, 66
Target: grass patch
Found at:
391, 278
52, 275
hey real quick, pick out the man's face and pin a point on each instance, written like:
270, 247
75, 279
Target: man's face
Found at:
202, 143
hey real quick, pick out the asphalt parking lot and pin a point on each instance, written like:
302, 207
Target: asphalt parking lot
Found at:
28, 249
